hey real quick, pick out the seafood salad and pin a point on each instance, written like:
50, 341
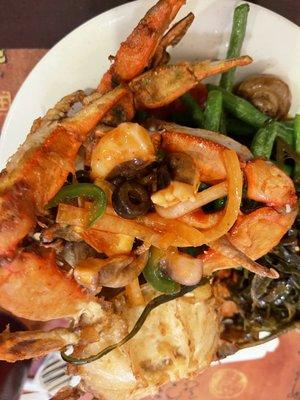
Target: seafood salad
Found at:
156, 215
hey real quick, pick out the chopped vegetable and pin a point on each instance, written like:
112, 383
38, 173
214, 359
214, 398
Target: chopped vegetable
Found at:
155, 275
241, 108
131, 200
85, 190
134, 293
157, 301
195, 110
236, 41
200, 199
213, 111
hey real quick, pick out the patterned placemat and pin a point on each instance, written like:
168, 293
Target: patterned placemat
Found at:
275, 377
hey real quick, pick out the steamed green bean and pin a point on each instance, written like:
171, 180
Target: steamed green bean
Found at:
236, 41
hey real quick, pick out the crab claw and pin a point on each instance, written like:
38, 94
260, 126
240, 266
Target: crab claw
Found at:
33, 287
41, 165
17, 346
162, 85
136, 52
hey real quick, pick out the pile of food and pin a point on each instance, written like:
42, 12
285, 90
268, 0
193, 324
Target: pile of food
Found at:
157, 214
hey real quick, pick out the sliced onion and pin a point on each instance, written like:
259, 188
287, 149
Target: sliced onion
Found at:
227, 249
234, 197
206, 196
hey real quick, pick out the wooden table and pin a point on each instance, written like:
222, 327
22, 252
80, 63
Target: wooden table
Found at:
28, 29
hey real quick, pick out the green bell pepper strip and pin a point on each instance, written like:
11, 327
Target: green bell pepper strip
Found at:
241, 108
154, 303
193, 107
213, 111
86, 190
236, 41
155, 276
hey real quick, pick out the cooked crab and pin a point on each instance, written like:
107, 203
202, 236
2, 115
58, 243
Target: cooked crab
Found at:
62, 243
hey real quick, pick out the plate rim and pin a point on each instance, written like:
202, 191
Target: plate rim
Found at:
117, 10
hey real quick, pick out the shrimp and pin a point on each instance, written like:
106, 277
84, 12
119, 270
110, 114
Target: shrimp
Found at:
266, 183
251, 235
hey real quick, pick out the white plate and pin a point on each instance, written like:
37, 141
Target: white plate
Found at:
79, 60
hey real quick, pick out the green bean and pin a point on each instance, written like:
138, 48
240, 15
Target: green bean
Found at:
194, 109
236, 41
213, 111
297, 145
223, 123
237, 127
264, 139
285, 134
241, 108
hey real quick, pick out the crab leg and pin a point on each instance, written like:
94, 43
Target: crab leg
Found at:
40, 166
33, 287
136, 52
160, 86
171, 38
17, 346
135, 55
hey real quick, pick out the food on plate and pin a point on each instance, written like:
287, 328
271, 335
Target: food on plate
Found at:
139, 214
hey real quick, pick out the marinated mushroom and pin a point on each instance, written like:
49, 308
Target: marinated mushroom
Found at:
268, 93
183, 268
183, 168
113, 272
129, 169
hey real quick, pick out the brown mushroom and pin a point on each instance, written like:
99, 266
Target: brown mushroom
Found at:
183, 268
183, 168
113, 272
268, 93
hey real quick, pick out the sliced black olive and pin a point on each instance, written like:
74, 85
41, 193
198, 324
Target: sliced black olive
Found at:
130, 200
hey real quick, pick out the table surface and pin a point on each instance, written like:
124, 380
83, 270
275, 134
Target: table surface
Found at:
25, 37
